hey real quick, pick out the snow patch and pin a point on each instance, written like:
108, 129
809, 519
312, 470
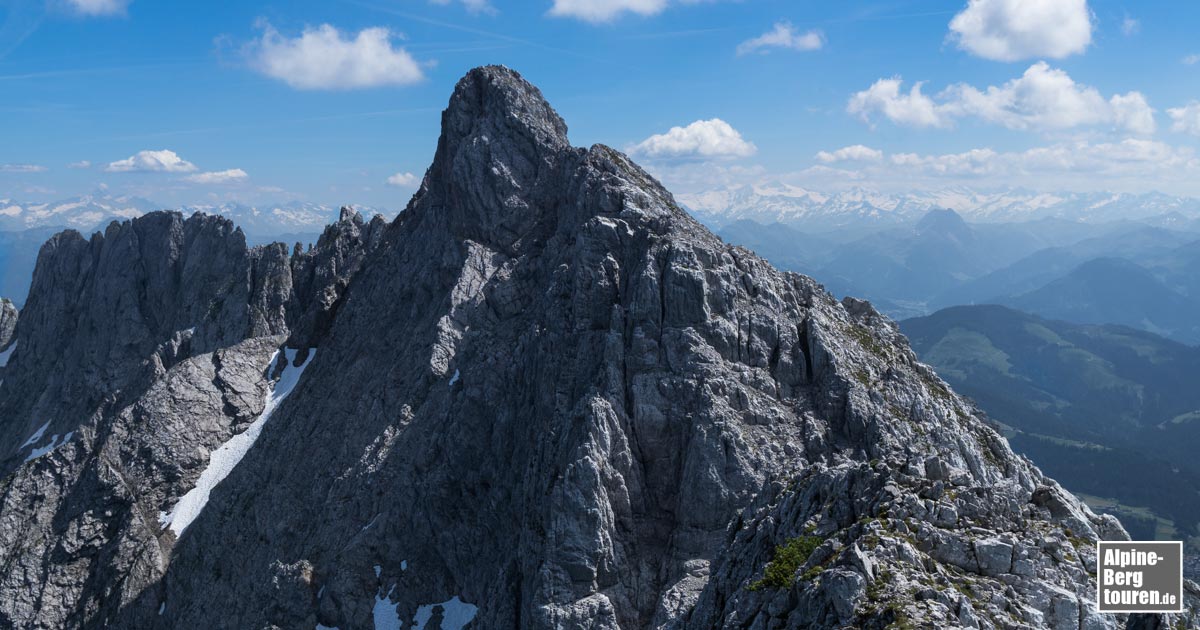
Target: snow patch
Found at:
456, 614
161, 608
227, 456
404, 565
37, 435
54, 443
384, 613
454, 379
321, 627
7, 353
378, 570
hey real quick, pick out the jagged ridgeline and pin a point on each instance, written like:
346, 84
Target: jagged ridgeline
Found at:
542, 397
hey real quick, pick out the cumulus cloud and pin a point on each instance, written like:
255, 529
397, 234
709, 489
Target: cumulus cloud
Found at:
164, 161
600, 11
22, 168
403, 180
1132, 112
855, 152
1043, 98
323, 58
703, 139
1012, 30
1186, 119
913, 108
218, 177
784, 35
93, 8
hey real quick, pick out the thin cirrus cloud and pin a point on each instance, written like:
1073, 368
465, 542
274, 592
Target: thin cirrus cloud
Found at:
1130, 26
218, 177
403, 180
162, 161
1186, 119
703, 139
1041, 99
472, 6
80, 165
324, 58
1191, 60
22, 168
785, 36
98, 8
601, 11
1015, 30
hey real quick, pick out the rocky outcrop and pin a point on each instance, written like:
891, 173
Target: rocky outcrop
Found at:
8, 322
321, 275
547, 398
8, 326
142, 352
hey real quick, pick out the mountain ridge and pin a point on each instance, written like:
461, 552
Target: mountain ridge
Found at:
92, 212
546, 397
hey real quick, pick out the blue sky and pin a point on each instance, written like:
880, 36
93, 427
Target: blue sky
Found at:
189, 101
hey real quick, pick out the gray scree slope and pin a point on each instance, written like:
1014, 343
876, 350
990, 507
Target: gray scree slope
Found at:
544, 390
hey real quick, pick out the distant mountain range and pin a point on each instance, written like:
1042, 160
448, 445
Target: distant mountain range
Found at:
90, 212
1116, 291
816, 211
1112, 412
1125, 271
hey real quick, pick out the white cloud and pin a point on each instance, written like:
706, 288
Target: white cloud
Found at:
1137, 163
472, 6
855, 152
1191, 60
1012, 30
403, 180
784, 35
98, 7
913, 109
599, 11
1043, 98
1130, 26
218, 177
22, 168
80, 165
1132, 112
973, 162
163, 161
703, 139
1186, 119
322, 58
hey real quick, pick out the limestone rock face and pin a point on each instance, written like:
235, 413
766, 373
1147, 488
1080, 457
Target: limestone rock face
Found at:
141, 352
542, 397
8, 329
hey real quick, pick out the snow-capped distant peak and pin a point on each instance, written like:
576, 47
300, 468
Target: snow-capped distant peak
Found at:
783, 203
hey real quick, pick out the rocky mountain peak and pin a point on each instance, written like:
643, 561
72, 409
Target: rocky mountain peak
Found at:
501, 151
543, 397
496, 104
